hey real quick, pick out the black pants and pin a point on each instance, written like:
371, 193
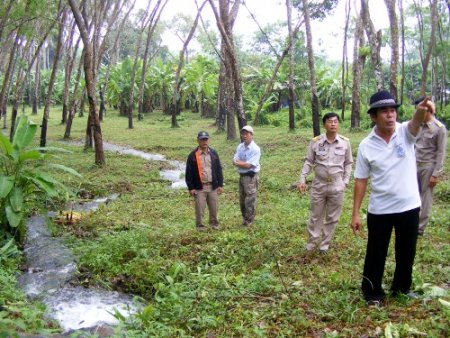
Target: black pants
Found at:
380, 228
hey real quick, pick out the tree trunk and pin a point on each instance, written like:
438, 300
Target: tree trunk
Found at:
151, 30
36, 95
431, 42
358, 65
344, 74
176, 87
221, 94
225, 27
48, 100
291, 95
312, 72
393, 23
374, 39
71, 53
7, 79
90, 78
74, 99
402, 25
225, 90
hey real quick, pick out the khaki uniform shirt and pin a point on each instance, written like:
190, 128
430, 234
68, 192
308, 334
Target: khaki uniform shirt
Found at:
431, 144
329, 160
206, 167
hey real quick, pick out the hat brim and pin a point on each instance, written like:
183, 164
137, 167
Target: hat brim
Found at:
203, 138
382, 105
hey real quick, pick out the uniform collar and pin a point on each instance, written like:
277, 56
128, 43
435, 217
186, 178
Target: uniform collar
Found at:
324, 139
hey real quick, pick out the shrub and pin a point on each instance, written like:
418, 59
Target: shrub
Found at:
19, 181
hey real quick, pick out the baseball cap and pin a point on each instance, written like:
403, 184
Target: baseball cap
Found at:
247, 128
202, 135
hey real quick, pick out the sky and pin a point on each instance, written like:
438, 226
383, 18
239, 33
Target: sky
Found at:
327, 35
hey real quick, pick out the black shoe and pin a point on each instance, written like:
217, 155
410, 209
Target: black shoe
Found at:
375, 300
374, 303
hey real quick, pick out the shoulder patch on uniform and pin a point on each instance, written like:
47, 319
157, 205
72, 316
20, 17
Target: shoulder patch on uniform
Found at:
315, 139
439, 123
344, 138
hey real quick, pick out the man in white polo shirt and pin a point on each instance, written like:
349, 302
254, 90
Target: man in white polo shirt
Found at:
246, 160
386, 156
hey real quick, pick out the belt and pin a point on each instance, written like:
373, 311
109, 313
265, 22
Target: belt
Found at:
328, 179
248, 173
424, 164
207, 183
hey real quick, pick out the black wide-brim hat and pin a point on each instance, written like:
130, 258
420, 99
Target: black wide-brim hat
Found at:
382, 99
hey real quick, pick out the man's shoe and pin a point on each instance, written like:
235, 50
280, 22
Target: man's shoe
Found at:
215, 226
201, 227
375, 300
374, 303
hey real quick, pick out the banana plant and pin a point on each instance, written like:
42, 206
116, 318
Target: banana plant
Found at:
22, 175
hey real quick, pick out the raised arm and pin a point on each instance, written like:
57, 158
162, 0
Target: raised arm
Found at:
419, 115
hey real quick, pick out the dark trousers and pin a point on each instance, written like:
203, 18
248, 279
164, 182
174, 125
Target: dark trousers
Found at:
380, 228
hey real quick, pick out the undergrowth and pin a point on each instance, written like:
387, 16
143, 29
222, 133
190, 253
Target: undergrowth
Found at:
256, 282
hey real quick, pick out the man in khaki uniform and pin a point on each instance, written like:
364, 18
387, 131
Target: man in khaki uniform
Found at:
430, 154
330, 156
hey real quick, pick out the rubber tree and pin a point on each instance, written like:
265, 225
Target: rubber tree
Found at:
90, 78
233, 74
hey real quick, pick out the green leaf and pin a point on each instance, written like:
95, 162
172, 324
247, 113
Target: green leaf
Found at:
16, 199
9, 249
24, 133
13, 217
30, 155
5, 145
6, 184
47, 187
66, 169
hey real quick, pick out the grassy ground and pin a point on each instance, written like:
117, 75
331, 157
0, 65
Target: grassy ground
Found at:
235, 281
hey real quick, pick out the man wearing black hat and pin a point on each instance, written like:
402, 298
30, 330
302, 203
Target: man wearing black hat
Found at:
204, 179
430, 154
387, 157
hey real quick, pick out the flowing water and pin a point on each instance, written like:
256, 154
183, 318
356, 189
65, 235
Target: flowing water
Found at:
50, 268
51, 265
173, 175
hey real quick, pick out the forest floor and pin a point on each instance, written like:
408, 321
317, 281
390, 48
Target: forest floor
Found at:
232, 282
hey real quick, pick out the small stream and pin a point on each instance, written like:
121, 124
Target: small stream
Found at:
51, 266
173, 175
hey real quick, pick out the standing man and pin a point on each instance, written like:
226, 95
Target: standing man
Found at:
204, 179
330, 155
387, 157
430, 154
246, 159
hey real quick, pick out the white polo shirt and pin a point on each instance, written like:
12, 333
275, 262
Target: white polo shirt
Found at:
392, 171
250, 154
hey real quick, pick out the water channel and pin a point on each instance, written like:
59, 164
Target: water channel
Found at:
51, 266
